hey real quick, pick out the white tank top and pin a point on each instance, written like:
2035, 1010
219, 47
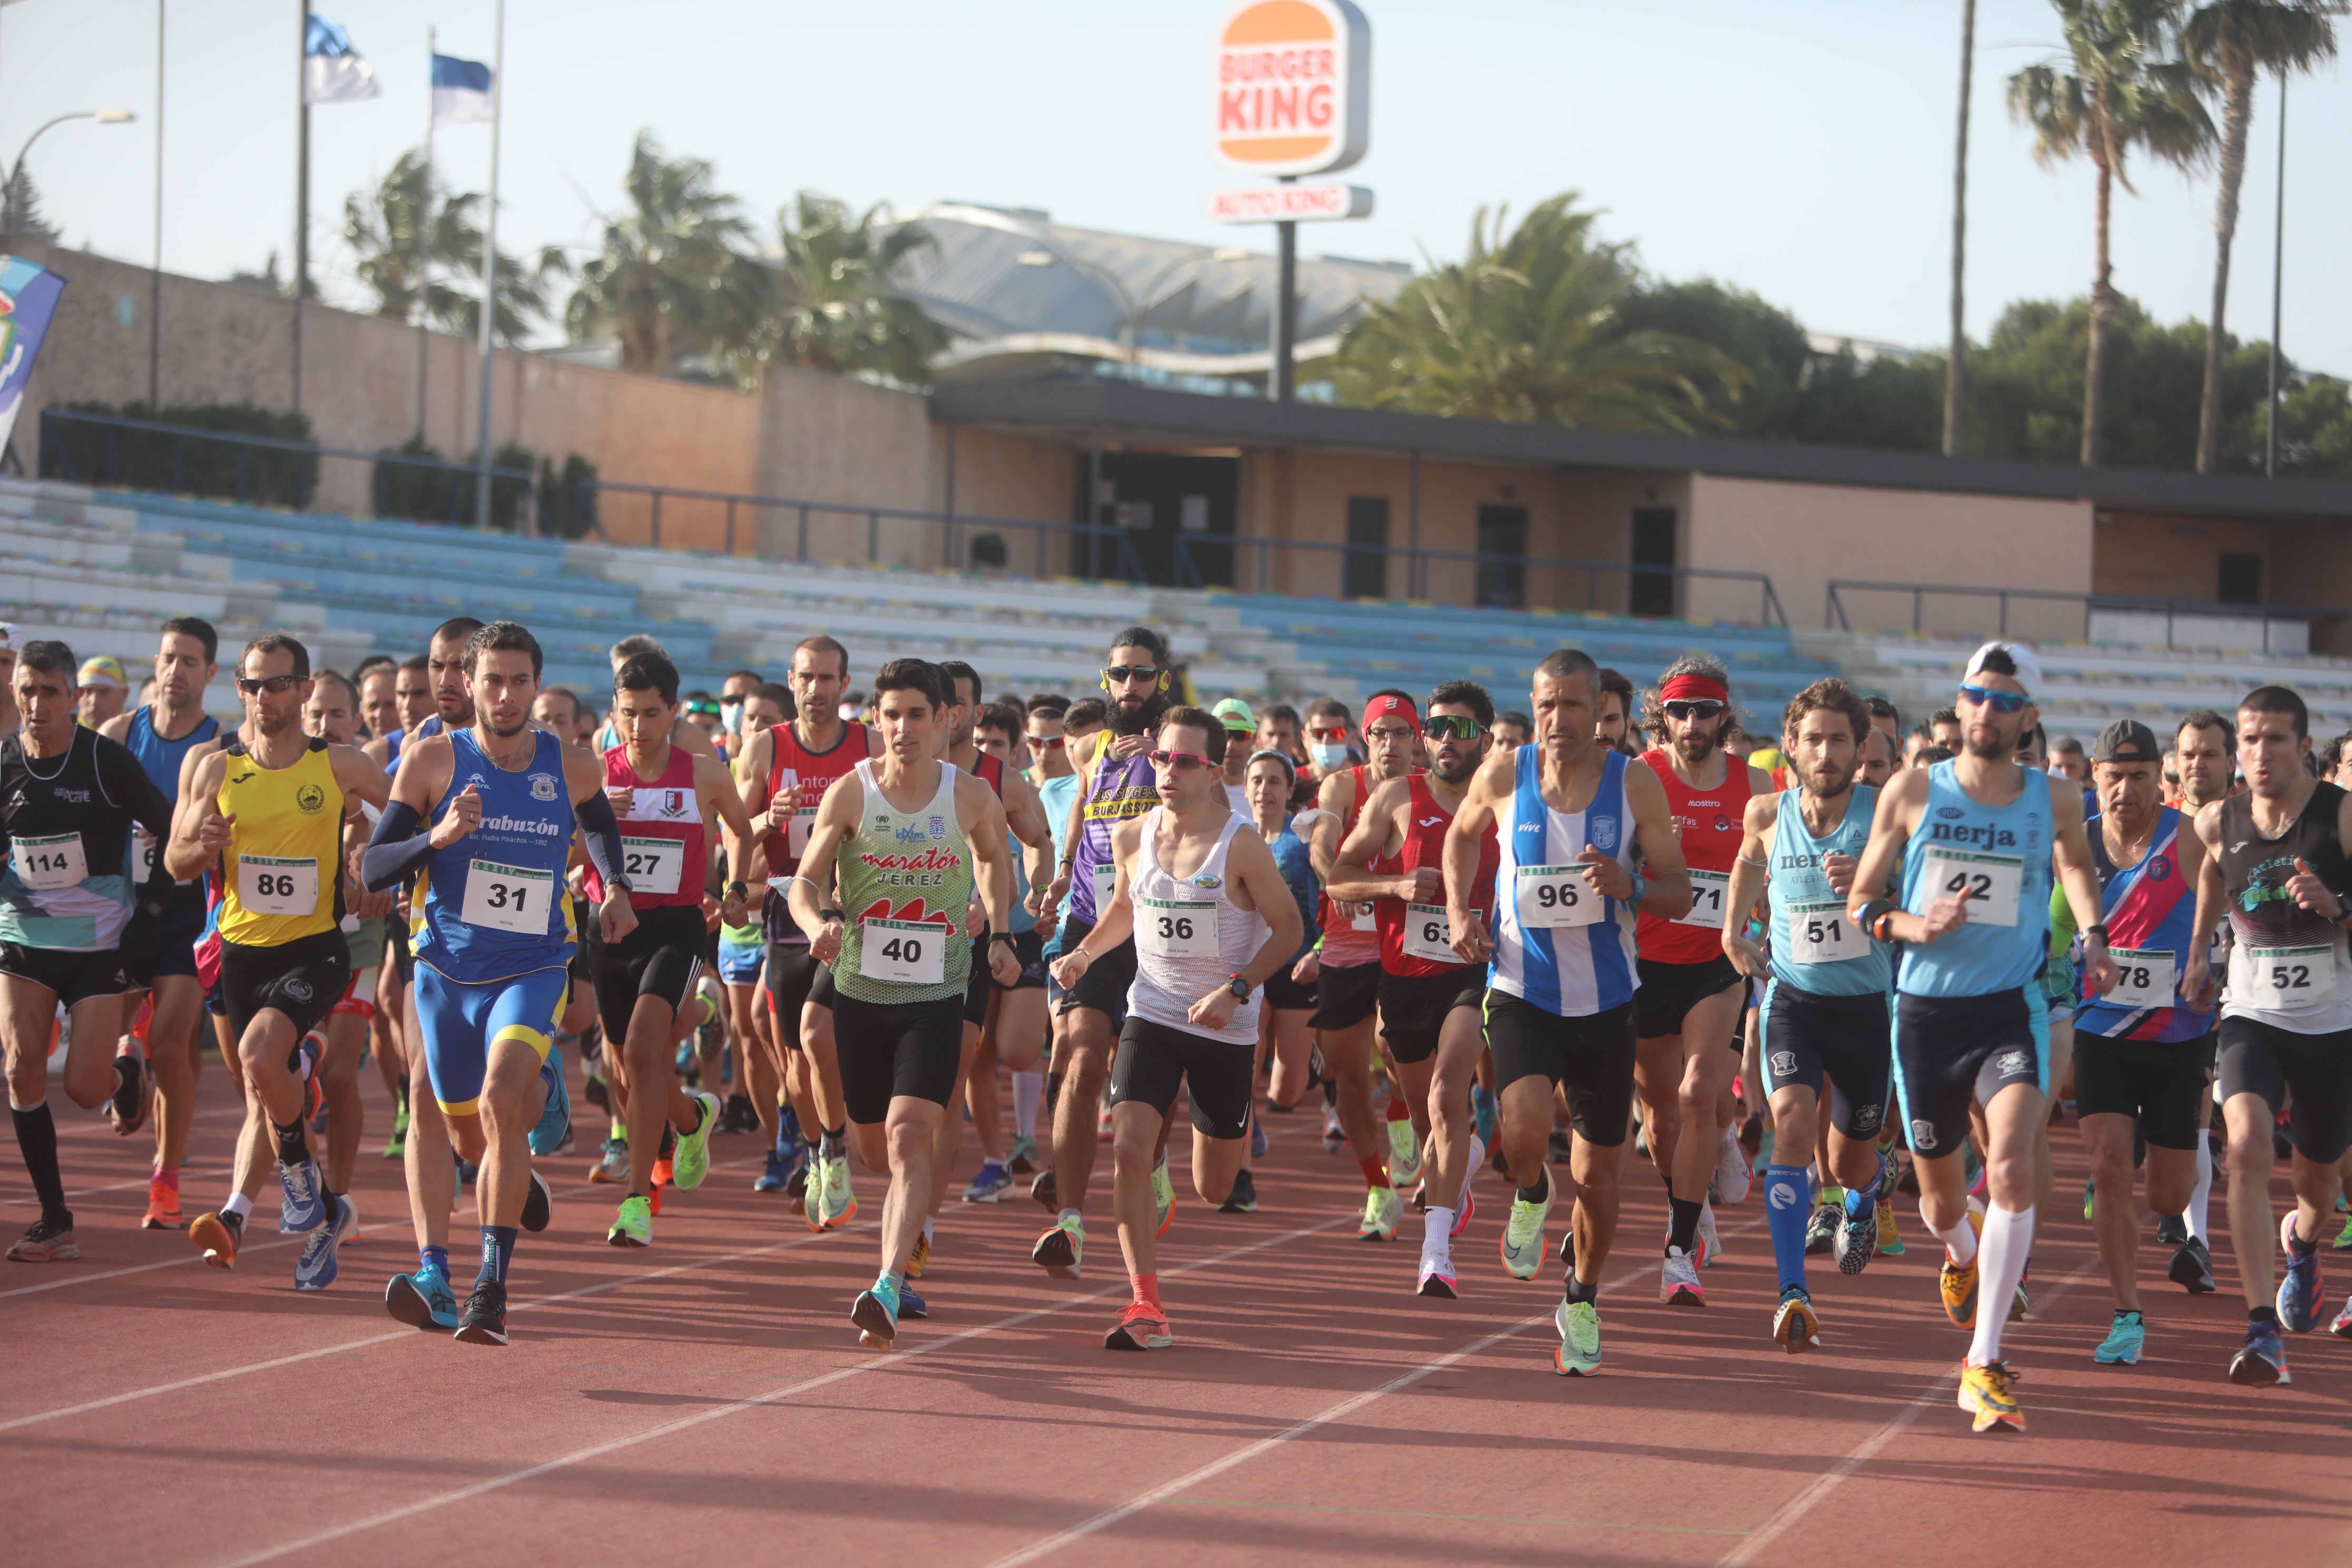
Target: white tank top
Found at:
1191, 938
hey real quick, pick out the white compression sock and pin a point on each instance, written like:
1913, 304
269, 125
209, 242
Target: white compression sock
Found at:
2199, 1211
1028, 1089
1437, 1236
2007, 1238
1960, 1241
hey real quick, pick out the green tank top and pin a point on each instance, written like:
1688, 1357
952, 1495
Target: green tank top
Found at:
906, 881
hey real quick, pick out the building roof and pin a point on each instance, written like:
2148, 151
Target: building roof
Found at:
1075, 409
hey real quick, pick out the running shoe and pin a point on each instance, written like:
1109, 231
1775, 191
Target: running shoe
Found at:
217, 1235
920, 1258
555, 1122
1856, 1242
2301, 1291
911, 1307
1985, 1391
796, 1187
1164, 1195
1959, 1288
397, 1144
1436, 1277
738, 1115
127, 1108
1102, 1124
1523, 1233
1404, 1153
1890, 1240
612, 1167
2090, 1197
538, 1201
316, 1269
2171, 1230
1063, 1249
1142, 1327
2342, 1327
1023, 1161
832, 1205
1732, 1174
302, 1203
691, 1160
775, 1176
2261, 1360
1334, 1137
1821, 1231
1383, 1209
163, 1208
422, 1300
50, 1241
1259, 1142
1243, 1199
633, 1225
1710, 1240
2126, 1336
1678, 1283
992, 1183
2192, 1267
597, 1093
1045, 1191
2344, 1237
1796, 1328
1580, 1340
875, 1313
483, 1320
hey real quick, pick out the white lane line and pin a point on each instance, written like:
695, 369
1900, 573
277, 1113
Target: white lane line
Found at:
1339, 1412
117, 1186
774, 1395
1862, 1453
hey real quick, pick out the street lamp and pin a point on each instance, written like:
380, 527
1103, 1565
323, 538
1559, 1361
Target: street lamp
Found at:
103, 116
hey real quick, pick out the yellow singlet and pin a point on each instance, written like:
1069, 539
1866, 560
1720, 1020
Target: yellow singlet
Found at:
283, 869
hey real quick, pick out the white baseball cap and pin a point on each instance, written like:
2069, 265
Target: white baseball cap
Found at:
2021, 657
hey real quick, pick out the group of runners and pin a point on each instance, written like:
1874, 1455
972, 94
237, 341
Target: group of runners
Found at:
1864, 961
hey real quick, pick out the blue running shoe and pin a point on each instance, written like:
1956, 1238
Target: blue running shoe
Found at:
788, 1130
992, 1183
911, 1305
554, 1121
302, 1203
422, 1300
779, 1172
2262, 1362
317, 1268
1258, 1136
2301, 1292
875, 1313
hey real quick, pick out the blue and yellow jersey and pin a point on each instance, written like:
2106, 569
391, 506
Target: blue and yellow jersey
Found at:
493, 905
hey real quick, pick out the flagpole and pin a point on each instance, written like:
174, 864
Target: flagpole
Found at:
425, 233
302, 185
491, 269
155, 282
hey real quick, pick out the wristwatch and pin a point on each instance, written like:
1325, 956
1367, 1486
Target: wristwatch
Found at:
737, 890
1000, 936
1239, 987
833, 915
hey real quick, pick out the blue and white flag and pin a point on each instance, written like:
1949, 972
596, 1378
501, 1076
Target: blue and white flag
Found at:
333, 72
29, 296
461, 92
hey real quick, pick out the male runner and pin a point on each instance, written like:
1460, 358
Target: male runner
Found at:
1569, 815
488, 813
160, 735
669, 800
2276, 861
1614, 723
743, 953
271, 808
1824, 1011
103, 691
1115, 785
784, 772
1212, 920
1977, 839
1691, 996
69, 908
1430, 1001
1058, 737
908, 840
683, 731
2142, 1055
1512, 731
1014, 1032
380, 698
2205, 748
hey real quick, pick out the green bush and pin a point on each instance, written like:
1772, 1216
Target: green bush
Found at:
428, 494
83, 452
564, 511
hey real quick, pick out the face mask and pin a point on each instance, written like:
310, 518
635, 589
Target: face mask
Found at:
730, 718
848, 712
1330, 758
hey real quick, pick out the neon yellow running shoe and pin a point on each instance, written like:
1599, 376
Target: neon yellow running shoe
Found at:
634, 1225
1404, 1153
1523, 1234
1164, 1195
690, 1162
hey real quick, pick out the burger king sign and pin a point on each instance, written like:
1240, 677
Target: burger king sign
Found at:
1293, 86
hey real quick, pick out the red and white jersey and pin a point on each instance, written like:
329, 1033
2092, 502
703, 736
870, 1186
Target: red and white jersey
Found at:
792, 765
1710, 823
1412, 936
666, 852
1350, 930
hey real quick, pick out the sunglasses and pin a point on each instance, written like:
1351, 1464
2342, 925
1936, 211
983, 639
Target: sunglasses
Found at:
1687, 708
1338, 734
1047, 743
275, 685
1126, 672
694, 705
1179, 761
1998, 702
1451, 727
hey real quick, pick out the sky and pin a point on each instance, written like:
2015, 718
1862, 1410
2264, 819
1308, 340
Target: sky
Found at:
1802, 150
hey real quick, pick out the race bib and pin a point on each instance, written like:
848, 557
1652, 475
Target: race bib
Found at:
268, 886
46, 864
1427, 935
797, 828
2291, 979
654, 865
1707, 889
1821, 934
1992, 884
1166, 928
143, 856
507, 898
1359, 916
1106, 879
2149, 978
905, 953
1552, 897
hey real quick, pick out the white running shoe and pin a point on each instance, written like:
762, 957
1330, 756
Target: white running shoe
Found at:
1732, 1172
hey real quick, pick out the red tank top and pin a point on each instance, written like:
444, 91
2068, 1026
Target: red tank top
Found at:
1350, 933
1424, 845
814, 772
989, 769
667, 852
1710, 824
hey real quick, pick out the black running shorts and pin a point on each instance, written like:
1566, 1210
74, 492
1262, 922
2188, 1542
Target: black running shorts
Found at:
1850, 1038
2161, 1084
892, 1049
1592, 1057
1104, 986
302, 979
1154, 1060
1029, 950
1414, 1008
1669, 990
1346, 996
662, 957
1285, 995
73, 977
1952, 1050
791, 975
2263, 1059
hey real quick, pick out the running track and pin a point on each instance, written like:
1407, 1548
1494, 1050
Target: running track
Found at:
707, 1400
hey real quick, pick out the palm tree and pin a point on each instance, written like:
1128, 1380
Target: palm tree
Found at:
2229, 41
2116, 89
1528, 328
410, 270
660, 279
824, 299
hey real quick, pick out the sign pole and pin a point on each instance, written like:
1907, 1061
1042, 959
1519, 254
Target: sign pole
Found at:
301, 186
1286, 310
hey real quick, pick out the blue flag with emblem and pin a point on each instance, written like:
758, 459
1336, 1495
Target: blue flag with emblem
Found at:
333, 72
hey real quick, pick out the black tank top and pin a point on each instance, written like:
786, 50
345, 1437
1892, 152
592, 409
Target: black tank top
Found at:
2255, 869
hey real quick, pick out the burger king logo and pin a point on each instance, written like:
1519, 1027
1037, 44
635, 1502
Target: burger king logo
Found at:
1293, 87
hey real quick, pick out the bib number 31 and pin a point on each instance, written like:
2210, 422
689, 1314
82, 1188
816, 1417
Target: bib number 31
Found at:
507, 898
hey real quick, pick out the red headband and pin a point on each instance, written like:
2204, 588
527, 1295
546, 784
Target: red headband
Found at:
1389, 706
1705, 687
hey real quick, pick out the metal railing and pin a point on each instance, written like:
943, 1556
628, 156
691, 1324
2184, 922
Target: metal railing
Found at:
141, 454
1835, 617
1770, 611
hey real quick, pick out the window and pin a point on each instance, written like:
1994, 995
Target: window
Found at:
1364, 569
1503, 531
2241, 579
1652, 593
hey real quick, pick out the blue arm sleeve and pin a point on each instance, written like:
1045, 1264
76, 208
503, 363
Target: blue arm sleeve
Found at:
603, 830
397, 851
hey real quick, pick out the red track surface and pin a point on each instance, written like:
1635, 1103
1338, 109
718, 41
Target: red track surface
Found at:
707, 1400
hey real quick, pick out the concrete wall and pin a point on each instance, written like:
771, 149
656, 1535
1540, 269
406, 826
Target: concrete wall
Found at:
2180, 558
1804, 536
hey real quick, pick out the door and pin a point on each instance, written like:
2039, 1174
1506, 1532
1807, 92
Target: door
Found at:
1652, 593
1503, 531
1364, 570
1156, 500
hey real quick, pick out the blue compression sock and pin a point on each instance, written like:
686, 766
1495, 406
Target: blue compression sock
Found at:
433, 1257
1862, 1201
497, 1251
1788, 1207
